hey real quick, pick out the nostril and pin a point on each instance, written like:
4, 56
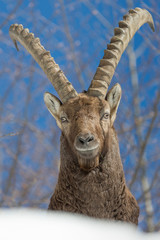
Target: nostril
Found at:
82, 140
91, 138
85, 139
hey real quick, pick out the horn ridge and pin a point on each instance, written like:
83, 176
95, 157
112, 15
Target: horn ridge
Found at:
44, 59
122, 35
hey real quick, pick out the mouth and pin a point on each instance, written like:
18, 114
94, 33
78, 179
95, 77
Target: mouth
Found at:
88, 158
87, 152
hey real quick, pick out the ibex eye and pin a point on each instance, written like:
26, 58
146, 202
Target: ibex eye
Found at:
63, 119
106, 116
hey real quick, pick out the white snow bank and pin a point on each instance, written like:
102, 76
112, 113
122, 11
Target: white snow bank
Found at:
25, 224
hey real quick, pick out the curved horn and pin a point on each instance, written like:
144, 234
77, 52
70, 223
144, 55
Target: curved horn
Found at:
62, 86
122, 35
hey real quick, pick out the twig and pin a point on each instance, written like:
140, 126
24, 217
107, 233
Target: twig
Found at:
9, 16
10, 134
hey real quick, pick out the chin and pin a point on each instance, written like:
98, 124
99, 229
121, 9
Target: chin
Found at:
87, 164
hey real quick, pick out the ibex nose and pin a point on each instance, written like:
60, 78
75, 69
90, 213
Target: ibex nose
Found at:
85, 138
86, 145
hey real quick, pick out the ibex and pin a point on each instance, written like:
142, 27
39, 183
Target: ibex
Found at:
91, 178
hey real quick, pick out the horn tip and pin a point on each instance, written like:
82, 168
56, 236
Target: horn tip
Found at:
16, 45
152, 26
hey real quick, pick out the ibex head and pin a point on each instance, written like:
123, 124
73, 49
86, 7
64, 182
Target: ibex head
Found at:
85, 119
85, 122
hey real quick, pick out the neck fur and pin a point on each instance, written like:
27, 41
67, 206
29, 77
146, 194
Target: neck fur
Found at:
109, 170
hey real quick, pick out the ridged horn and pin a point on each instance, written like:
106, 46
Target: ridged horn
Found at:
62, 86
122, 36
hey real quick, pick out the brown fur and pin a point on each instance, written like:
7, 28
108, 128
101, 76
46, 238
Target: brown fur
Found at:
101, 191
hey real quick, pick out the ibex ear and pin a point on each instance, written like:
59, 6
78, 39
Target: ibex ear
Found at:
113, 98
53, 104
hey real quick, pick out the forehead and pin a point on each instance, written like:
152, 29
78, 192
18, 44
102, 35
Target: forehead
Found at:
84, 103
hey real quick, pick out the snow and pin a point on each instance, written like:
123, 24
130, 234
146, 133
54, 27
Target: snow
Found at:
27, 224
